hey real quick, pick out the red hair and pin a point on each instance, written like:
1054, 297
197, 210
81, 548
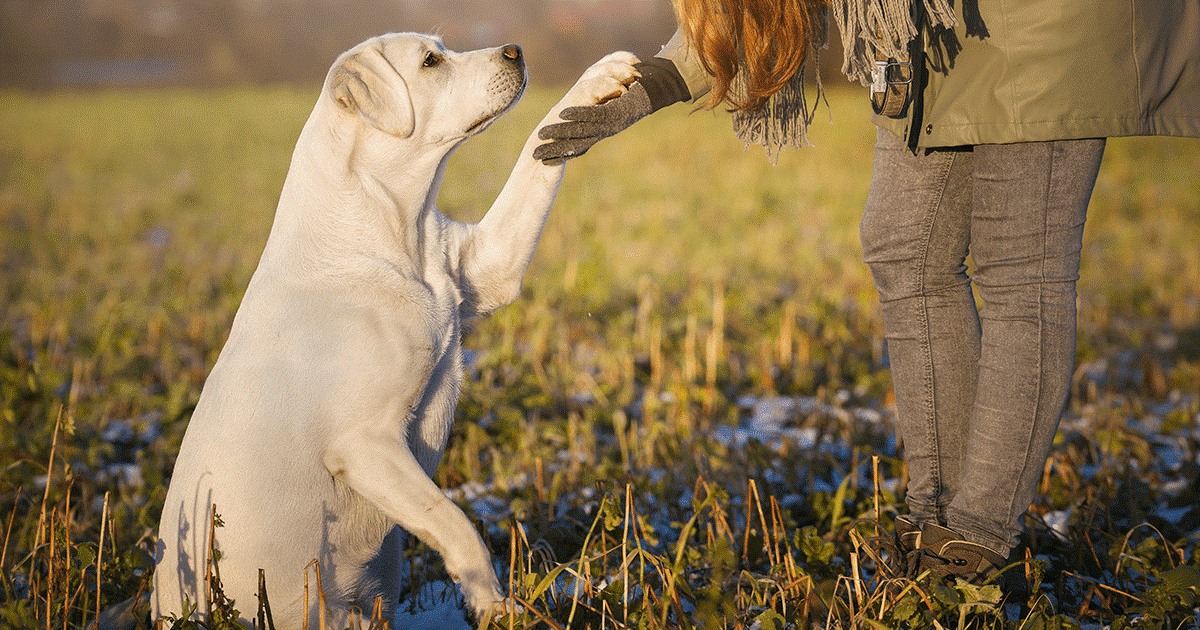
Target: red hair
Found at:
768, 40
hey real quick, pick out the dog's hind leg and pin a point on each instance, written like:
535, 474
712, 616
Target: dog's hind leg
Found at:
380, 468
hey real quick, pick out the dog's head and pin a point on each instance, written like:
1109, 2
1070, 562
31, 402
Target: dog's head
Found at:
407, 85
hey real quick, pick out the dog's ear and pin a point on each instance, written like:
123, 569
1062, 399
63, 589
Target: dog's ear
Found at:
383, 104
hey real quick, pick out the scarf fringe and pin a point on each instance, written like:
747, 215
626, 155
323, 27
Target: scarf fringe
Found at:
865, 26
783, 120
883, 25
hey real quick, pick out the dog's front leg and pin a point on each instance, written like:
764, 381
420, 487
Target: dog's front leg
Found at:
498, 249
381, 468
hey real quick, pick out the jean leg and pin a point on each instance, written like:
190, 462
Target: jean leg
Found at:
915, 232
1030, 201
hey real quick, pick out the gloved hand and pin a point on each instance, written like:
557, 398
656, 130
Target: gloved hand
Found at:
587, 125
660, 85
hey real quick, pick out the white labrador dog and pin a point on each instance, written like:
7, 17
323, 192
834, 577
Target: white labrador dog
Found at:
329, 407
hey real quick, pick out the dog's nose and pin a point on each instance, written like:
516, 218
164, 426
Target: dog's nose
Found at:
511, 52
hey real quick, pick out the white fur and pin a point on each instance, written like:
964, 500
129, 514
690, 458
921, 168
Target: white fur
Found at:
329, 407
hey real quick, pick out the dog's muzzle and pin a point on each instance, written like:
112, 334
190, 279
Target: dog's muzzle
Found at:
506, 87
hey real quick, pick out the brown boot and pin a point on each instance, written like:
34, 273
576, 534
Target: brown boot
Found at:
946, 554
908, 534
908, 542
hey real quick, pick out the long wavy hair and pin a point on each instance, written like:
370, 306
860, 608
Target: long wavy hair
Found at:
766, 40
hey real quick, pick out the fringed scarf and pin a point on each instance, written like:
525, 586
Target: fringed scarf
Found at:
865, 25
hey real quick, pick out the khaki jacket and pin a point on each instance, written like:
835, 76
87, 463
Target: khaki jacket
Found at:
1024, 71
1057, 70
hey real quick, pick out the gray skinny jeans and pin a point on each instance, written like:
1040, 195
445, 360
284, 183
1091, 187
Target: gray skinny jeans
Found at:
979, 392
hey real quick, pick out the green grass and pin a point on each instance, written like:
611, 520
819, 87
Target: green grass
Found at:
678, 275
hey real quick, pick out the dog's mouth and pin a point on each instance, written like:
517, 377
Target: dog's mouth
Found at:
514, 86
482, 124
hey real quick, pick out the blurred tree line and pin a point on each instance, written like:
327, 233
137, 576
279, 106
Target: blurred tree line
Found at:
83, 43
56, 43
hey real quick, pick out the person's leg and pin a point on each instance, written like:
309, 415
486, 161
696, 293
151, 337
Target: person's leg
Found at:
1030, 201
915, 230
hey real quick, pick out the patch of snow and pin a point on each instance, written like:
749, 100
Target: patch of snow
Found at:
129, 475
444, 612
1057, 521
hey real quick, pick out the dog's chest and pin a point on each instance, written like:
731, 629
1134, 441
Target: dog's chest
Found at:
444, 322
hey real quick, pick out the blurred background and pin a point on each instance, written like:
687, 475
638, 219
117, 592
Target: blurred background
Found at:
94, 43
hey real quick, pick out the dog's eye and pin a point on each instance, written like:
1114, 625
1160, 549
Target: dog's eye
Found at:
431, 60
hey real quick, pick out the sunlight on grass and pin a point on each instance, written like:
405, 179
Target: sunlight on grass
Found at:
685, 420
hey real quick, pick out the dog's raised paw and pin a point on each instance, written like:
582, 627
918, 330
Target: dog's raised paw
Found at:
604, 80
619, 57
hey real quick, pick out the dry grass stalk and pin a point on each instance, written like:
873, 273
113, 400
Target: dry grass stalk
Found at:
875, 484
49, 478
787, 334
753, 500
625, 554
50, 564
716, 338
67, 596
265, 620
690, 370
512, 575
8, 530
208, 562
100, 552
778, 532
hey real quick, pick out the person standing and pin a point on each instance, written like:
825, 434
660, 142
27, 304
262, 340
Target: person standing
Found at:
991, 122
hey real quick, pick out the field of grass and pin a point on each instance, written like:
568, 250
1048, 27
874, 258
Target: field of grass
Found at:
685, 420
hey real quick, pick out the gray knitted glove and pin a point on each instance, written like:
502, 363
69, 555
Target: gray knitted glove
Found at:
587, 125
660, 85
